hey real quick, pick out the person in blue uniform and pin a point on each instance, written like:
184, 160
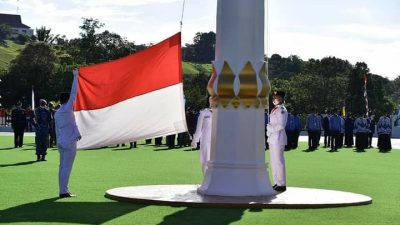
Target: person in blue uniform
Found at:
18, 124
277, 140
42, 125
348, 131
297, 129
361, 130
290, 129
384, 129
335, 127
313, 127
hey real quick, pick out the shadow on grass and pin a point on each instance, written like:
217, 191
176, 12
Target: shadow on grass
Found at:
359, 150
308, 150
194, 216
17, 164
9, 148
53, 211
384, 152
123, 149
164, 149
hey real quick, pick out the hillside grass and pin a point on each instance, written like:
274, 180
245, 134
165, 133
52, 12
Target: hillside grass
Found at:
28, 189
195, 69
8, 52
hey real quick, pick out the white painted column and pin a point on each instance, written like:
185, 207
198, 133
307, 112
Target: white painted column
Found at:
239, 88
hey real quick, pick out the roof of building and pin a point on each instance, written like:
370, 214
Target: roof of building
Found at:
12, 20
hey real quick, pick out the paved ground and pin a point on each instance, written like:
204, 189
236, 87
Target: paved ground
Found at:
303, 138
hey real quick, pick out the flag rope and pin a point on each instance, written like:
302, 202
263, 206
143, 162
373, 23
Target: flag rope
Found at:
183, 11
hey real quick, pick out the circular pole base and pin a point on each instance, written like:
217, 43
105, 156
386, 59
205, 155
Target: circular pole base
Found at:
187, 195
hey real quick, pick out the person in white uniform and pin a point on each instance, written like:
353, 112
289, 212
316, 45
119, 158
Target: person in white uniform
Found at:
277, 140
67, 134
203, 134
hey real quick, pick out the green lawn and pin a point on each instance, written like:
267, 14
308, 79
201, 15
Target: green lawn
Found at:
28, 189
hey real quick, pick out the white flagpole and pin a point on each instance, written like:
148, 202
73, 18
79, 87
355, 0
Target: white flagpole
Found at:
33, 99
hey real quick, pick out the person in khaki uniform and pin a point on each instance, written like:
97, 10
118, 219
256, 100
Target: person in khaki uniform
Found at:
277, 140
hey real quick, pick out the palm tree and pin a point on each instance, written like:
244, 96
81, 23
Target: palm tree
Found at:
44, 35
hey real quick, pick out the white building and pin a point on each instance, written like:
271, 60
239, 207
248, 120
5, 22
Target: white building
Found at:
14, 21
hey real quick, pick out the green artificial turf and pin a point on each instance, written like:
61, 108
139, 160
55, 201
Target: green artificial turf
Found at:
28, 189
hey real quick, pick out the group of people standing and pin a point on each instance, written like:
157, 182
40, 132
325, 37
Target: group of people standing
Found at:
42, 119
339, 131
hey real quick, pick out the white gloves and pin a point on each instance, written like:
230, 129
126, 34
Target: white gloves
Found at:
194, 144
75, 72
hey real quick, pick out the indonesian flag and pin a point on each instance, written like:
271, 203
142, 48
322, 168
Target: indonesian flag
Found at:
133, 98
366, 94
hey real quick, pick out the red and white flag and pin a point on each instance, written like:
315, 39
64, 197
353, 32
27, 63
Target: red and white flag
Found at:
366, 94
133, 98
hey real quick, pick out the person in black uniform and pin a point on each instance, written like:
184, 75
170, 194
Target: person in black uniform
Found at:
18, 124
325, 127
170, 139
158, 141
371, 121
42, 125
348, 131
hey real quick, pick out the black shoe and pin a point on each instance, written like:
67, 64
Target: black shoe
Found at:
38, 158
43, 158
280, 188
67, 195
275, 185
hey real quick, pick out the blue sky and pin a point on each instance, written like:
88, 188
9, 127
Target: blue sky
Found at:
356, 30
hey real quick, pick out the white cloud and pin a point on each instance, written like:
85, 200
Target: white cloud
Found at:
96, 3
367, 32
380, 57
361, 13
352, 33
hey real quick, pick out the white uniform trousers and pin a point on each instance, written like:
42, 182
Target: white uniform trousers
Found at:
67, 157
278, 164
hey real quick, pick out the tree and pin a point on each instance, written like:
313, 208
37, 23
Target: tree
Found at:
195, 90
33, 67
88, 41
284, 68
355, 101
202, 50
5, 33
395, 93
44, 35
112, 46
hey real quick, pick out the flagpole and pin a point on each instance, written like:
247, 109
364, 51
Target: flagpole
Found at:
33, 99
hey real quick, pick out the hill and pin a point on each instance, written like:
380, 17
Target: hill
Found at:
8, 53
11, 50
194, 69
